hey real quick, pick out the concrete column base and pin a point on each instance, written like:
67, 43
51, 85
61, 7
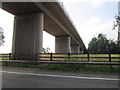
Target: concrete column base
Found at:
28, 35
81, 50
75, 49
62, 44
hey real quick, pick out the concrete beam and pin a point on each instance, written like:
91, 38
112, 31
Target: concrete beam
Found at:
62, 44
28, 33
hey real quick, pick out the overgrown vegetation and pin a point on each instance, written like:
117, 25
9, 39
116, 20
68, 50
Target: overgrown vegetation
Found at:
69, 67
80, 68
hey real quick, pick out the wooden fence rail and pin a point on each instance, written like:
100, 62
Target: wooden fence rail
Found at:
63, 57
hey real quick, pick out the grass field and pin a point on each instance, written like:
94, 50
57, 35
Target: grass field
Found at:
94, 57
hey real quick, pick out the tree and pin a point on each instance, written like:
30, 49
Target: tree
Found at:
46, 50
92, 45
1, 37
114, 48
117, 24
102, 45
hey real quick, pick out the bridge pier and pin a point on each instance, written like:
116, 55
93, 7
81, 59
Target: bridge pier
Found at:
81, 50
28, 33
75, 48
62, 44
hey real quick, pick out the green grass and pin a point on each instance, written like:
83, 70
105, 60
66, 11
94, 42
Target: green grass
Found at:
79, 68
74, 67
4, 56
93, 59
69, 67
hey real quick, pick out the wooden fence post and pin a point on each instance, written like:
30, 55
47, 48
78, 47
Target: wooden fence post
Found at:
68, 55
10, 56
51, 56
110, 59
88, 57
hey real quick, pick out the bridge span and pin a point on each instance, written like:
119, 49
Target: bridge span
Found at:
31, 18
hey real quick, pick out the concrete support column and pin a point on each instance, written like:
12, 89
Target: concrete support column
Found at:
81, 50
75, 49
28, 33
62, 44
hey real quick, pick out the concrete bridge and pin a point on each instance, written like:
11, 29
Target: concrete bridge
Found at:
31, 18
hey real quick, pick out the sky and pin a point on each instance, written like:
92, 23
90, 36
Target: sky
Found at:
90, 17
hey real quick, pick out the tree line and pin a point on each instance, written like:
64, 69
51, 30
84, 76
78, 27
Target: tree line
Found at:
102, 45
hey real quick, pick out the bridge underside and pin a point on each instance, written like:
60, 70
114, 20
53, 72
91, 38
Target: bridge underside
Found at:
20, 8
31, 18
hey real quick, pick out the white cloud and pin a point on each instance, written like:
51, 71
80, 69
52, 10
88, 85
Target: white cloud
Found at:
94, 3
93, 21
97, 3
93, 27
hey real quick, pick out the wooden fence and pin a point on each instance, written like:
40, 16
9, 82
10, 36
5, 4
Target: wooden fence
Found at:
61, 57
